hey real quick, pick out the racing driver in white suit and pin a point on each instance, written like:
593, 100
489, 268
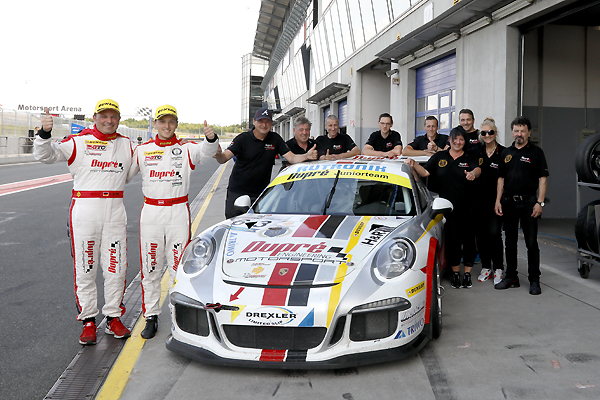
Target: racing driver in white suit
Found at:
99, 160
166, 165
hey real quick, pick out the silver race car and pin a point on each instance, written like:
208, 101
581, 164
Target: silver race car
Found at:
336, 264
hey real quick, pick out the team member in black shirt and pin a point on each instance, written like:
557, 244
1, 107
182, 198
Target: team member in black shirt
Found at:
467, 122
488, 225
428, 144
520, 197
335, 145
301, 143
255, 152
384, 142
453, 171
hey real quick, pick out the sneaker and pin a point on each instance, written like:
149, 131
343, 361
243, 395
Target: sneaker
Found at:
466, 283
116, 327
455, 283
485, 274
498, 276
151, 327
508, 283
534, 288
88, 336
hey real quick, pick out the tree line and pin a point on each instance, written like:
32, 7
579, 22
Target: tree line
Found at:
186, 127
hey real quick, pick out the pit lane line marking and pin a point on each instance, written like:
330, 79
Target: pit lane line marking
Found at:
119, 375
17, 187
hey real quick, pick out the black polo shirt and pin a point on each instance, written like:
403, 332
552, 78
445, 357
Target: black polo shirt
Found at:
254, 162
487, 183
472, 140
448, 178
342, 143
295, 148
522, 169
380, 144
421, 142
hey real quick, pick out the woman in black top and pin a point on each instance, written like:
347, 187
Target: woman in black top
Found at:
452, 172
488, 226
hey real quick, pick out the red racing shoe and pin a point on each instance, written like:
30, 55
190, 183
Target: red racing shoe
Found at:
88, 336
115, 327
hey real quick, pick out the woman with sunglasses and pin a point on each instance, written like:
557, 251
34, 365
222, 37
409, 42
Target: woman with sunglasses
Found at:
489, 225
451, 173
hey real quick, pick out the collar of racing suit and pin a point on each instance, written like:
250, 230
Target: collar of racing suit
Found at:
99, 135
164, 143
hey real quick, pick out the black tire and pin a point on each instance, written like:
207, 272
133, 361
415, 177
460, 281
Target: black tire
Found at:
586, 230
587, 160
435, 311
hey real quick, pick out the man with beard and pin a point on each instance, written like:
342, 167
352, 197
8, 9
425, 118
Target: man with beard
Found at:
522, 181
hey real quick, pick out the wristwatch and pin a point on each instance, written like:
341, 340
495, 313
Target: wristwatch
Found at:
541, 203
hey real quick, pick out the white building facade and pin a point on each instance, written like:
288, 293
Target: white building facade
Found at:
358, 59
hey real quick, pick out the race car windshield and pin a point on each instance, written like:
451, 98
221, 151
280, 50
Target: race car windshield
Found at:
351, 197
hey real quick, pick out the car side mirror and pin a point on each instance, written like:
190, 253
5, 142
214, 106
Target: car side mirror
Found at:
441, 206
243, 203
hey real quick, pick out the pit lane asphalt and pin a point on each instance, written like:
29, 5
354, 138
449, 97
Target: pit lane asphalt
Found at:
494, 345
38, 330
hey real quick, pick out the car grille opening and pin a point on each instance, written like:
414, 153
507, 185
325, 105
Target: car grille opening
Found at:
213, 324
373, 325
275, 337
191, 320
338, 331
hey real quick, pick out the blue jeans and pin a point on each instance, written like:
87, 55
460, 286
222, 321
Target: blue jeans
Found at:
515, 212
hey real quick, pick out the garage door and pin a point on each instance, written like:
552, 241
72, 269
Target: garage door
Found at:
436, 93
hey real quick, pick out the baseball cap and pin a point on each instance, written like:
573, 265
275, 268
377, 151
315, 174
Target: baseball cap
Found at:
106, 104
263, 113
165, 110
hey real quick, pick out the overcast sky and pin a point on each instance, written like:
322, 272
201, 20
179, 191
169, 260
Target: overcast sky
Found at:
186, 53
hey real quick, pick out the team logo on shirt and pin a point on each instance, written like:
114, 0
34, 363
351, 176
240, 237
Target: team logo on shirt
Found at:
481, 161
388, 145
463, 165
526, 159
95, 145
337, 146
269, 146
442, 163
176, 151
507, 159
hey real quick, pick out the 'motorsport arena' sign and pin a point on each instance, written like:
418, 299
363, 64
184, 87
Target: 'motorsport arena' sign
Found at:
56, 109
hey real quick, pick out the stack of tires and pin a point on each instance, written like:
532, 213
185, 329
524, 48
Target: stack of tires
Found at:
587, 227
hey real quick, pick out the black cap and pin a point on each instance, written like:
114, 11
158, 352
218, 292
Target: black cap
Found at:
263, 113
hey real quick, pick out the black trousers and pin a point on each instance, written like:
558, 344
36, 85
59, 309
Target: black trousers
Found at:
516, 212
459, 237
488, 231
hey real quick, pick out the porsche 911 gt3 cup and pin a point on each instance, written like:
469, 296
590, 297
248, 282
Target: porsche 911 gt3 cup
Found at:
335, 265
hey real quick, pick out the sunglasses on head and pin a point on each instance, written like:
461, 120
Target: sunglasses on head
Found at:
485, 133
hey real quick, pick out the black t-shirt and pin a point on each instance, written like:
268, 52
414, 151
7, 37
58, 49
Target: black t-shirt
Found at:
380, 144
487, 183
472, 140
342, 143
421, 142
522, 169
292, 144
254, 162
448, 178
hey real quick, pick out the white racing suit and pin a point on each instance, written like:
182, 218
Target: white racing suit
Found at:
166, 166
99, 165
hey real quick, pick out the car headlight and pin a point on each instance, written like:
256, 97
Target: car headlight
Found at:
394, 258
198, 254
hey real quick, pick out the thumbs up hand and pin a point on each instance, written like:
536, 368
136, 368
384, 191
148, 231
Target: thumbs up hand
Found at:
312, 153
47, 121
208, 131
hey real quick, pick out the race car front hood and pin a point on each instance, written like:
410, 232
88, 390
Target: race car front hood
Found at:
300, 249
